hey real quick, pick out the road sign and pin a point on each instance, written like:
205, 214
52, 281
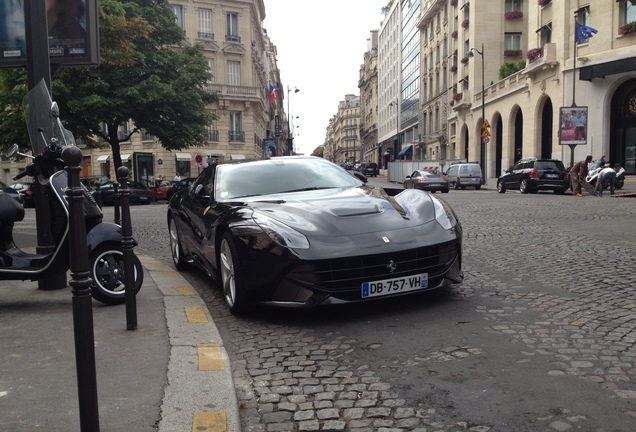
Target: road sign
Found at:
485, 133
486, 124
198, 158
485, 140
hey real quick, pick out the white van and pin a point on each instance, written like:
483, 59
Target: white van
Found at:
463, 175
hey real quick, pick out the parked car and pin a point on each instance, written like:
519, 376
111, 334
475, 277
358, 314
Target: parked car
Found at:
179, 185
7, 190
139, 193
426, 181
301, 231
25, 194
531, 175
91, 182
161, 189
370, 169
463, 175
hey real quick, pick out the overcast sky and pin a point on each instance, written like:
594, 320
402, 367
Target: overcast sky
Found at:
320, 47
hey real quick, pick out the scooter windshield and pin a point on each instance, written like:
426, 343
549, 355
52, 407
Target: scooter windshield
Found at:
43, 120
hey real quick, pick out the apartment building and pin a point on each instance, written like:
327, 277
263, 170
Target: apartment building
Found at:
343, 133
368, 85
244, 72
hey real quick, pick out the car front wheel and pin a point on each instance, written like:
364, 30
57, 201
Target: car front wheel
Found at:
500, 187
524, 187
231, 276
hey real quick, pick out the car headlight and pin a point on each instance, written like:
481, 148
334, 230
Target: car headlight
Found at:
281, 233
444, 215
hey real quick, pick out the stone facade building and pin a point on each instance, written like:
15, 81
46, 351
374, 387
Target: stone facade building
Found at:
368, 85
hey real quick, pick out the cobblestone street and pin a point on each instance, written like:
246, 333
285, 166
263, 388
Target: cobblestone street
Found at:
540, 337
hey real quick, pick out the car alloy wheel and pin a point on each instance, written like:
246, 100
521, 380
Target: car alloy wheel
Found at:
231, 279
175, 247
500, 187
524, 188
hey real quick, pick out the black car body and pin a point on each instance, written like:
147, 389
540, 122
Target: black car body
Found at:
25, 194
426, 181
301, 231
531, 175
179, 185
139, 193
370, 169
8, 190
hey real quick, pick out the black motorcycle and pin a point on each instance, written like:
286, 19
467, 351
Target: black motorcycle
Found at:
103, 239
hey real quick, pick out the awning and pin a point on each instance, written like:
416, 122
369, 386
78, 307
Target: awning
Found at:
183, 156
103, 159
601, 70
214, 153
125, 157
406, 150
237, 156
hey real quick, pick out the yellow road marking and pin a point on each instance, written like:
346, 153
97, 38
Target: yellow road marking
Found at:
209, 421
171, 275
196, 315
184, 290
210, 357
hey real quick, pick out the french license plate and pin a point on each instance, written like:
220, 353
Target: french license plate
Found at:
395, 285
474, 180
435, 184
552, 176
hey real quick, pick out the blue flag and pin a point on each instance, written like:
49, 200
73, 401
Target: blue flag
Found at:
583, 32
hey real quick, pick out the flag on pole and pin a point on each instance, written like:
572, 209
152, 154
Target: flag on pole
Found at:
272, 93
583, 32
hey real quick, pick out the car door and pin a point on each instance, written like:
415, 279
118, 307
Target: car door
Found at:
409, 182
514, 178
193, 208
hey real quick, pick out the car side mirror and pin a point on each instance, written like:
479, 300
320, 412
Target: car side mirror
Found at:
360, 176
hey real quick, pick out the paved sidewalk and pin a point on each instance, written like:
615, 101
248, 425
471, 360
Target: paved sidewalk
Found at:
172, 374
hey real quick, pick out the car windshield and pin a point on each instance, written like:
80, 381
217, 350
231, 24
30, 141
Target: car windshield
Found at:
279, 175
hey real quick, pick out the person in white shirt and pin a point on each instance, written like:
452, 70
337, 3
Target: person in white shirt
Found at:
607, 174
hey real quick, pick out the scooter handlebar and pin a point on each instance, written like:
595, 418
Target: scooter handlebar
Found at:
20, 175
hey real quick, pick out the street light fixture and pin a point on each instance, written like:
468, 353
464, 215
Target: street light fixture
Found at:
290, 139
482, 146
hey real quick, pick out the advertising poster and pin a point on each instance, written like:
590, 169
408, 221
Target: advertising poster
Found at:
72, 31
269, 148
573, 125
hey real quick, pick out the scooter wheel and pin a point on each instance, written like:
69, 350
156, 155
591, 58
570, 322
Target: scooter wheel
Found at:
107, 272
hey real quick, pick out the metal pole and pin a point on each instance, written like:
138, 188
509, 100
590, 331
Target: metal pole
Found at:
483, 115
127, 244
82, 301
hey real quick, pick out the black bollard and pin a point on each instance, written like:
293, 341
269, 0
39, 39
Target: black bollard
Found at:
80, 284
127, 244
116, 203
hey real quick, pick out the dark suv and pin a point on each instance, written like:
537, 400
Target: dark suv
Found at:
531, 175
370, 169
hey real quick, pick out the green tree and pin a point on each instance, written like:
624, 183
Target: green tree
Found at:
147, 75
509, 68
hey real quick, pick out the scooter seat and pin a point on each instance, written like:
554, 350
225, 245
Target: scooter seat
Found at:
10, 210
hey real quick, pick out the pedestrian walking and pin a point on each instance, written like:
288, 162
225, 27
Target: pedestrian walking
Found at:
607, 174
578, 174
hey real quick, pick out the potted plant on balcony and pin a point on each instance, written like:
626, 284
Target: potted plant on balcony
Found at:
453, 2
454, 34
453, 68
543, 2
452, 102
457, 97
512, 53
627, 28
533, 54
464, 59
465, 23
513, 15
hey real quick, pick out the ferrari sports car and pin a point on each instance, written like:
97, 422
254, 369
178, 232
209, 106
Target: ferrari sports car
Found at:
300, 231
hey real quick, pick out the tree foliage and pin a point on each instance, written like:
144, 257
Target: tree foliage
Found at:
509, 68
147, 74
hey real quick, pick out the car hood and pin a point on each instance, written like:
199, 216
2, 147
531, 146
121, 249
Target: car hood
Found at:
348, 212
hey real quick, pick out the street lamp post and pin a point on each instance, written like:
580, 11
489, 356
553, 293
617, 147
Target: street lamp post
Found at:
290, 139
482, 146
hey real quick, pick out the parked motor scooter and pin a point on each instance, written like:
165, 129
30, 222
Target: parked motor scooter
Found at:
103, 239
619, 182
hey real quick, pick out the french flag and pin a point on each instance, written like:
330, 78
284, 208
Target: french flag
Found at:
272, 93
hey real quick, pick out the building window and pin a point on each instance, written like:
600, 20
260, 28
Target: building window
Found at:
236, 127
512, 42
212, 71
178, 15
232, 28
546, 34
513, 5
205, 24
213, 133
629, 12
234, 73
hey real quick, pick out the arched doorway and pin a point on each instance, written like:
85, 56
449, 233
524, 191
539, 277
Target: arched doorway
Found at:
518, 136
623, 127
465, 144
498, 144
546, 130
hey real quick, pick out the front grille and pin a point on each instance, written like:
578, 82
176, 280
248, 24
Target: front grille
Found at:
337, 276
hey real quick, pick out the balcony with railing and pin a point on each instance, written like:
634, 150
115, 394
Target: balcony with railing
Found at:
539, 59
213, 135
233, 91
232, 38
236, 136
204, 35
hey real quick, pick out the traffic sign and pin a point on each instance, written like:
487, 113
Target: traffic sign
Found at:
485, 133
486, 124
198, 158
485, 140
